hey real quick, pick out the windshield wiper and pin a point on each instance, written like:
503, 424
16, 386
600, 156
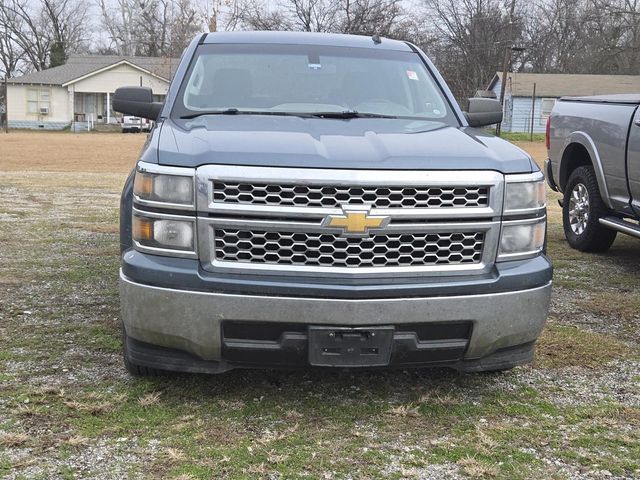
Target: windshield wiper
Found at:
235, 111
331, 114
350, 114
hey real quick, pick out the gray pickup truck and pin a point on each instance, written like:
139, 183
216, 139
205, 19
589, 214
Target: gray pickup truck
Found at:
321, 200
594, 160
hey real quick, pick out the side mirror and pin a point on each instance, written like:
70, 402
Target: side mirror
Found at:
483, 111
136, 101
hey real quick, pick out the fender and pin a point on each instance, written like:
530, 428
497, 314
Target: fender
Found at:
582, 138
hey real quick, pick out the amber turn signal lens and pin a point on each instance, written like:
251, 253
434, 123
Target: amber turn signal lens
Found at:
143, 185
142, 229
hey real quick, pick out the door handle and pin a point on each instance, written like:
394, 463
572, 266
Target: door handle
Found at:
637, 121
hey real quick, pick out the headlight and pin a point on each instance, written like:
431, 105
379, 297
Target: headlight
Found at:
157, 235
160, 188
524, 193
522, 238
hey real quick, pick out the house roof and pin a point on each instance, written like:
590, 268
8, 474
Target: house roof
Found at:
559, 85
78, 66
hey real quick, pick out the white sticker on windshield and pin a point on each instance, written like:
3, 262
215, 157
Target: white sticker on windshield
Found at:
315, 66
412, 75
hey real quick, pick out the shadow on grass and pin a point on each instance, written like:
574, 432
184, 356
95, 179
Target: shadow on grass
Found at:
365, 388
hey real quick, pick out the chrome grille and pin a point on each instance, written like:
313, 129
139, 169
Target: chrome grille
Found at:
330, 250
274, 221
334, 196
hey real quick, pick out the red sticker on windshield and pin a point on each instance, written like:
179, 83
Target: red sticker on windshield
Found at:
412, 75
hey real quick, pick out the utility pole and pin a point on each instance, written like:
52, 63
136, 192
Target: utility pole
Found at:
6, 102
507, 60
533, 110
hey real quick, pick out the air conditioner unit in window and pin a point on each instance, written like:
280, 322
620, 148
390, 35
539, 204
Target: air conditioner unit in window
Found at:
44, 110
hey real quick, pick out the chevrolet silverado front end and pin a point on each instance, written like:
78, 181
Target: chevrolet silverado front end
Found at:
320, 200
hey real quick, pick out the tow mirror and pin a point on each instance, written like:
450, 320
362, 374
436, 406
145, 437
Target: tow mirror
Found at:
137, 102
482, 112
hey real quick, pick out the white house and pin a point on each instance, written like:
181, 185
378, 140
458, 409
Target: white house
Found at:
519, 101
81, 89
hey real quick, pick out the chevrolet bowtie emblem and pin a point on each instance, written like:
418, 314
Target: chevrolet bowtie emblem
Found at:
355, 222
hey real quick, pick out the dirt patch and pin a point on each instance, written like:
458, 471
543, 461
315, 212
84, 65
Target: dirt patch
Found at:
537, 150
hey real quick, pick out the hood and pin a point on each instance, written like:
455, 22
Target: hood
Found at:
389, 144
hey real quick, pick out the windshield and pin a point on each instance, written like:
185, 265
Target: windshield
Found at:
310, 79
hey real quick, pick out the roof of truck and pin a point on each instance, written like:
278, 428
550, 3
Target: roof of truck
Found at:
630, 99
307, 38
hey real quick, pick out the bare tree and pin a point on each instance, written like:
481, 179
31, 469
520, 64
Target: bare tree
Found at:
11, 55
368, 17
67, 20
471, 36
254, 15
29, 31
186, 24
42, 29
150, 27
582, 36
364, 17
120, 23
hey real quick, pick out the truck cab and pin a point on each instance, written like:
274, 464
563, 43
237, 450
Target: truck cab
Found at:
320, 200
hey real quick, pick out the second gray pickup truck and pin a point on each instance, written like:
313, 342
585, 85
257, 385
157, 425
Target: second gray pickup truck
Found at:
594, 160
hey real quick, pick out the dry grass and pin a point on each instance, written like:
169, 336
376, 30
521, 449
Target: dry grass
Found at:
568, 346
476, 469
149, 399
66, 152
12, 439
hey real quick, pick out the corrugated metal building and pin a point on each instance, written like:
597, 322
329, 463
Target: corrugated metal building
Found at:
549, 87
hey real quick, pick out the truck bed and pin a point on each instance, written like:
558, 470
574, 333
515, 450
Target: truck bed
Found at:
625, 99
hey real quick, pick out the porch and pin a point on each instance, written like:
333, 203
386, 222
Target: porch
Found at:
94, 110
93, 107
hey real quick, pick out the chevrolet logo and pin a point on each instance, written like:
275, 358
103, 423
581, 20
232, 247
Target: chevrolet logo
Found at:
355, 222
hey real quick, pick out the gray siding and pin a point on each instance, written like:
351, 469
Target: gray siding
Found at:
521, 115
517, 117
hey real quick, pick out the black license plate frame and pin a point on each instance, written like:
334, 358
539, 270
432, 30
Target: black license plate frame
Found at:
350, 346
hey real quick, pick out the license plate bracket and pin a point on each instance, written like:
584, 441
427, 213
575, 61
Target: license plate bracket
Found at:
350, 346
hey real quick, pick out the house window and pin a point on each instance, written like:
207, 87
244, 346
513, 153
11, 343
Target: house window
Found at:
547, 106
38, 100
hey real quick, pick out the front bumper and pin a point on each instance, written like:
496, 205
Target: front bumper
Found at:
191, 322
548, 173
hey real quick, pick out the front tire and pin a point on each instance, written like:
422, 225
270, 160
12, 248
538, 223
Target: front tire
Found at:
581, 212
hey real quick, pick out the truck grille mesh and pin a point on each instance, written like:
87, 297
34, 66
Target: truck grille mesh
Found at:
329, 250
292, 195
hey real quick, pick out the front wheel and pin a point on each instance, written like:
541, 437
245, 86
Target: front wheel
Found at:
581, 212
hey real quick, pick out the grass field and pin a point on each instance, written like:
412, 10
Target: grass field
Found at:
69, 410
